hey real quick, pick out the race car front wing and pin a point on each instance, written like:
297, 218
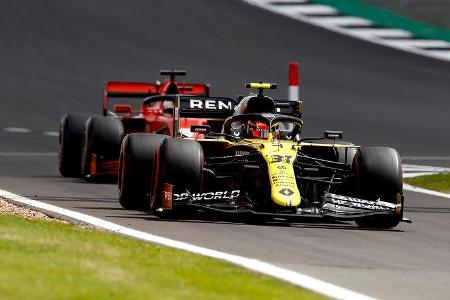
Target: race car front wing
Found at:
332, 207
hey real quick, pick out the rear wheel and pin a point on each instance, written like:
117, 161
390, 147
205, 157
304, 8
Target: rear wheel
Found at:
101, 142
379, 176
135, 169
71, 133
179, 163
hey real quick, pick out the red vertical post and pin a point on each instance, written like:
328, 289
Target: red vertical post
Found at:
294, 81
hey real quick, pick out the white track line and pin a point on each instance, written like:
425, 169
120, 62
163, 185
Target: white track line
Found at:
425, 157
51, 133
411, 188
28, 153
27, 130
410, 171
418, 43
420, 168
443, 54
313, 9
17, 129
287, 2
341, 21
293, 11
415, 174
381, 32
298, 279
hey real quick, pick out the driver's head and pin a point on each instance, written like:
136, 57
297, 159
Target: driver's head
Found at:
258, 130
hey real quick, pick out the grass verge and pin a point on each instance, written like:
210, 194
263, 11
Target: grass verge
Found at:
386, 18
437, 182
53, 260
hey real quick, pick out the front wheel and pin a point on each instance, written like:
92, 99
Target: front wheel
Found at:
135, 169
379, 176
179, 163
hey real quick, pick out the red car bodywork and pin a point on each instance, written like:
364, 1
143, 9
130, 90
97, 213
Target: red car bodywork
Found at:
155, 117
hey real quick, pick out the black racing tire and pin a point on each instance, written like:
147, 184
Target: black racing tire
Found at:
379, 176
135, 169
71, 132
102, 137
178, 162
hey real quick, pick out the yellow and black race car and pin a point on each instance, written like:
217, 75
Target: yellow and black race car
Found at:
259, 165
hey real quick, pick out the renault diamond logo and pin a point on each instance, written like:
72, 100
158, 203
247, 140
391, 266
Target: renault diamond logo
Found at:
286, 192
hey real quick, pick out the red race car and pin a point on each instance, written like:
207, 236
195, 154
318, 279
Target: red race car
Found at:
89, 145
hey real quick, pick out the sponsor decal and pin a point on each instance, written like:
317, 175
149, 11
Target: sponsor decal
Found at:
282, 158
268, 115
371, 206
242, 152
199, 129
360, 203
210, 104
283, 180
286, 192
219, 195
167, 196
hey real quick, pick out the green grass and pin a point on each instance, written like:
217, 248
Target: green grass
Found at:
52, 260
437, 182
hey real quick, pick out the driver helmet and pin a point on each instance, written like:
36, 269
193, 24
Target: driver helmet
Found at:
286, 130
259, 130
236, 128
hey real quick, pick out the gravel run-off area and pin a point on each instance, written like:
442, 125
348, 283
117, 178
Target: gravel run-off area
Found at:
10, 208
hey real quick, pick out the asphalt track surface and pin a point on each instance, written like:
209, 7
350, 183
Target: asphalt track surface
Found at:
55, 56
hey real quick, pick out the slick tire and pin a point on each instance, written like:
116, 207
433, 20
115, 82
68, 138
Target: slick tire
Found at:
179, 162
379, 176
135, 169
71, 132
102, 137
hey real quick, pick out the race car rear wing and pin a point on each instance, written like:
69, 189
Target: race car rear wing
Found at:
115, 89
206, 107
285, 107
170, 86
193, 89
223, 107
193, 106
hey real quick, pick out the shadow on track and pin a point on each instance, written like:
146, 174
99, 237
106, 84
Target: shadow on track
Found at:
429, 210
202, 217
242, 221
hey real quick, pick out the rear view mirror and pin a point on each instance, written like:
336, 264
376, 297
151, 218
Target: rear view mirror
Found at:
333, 135
205, 129
122, 108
